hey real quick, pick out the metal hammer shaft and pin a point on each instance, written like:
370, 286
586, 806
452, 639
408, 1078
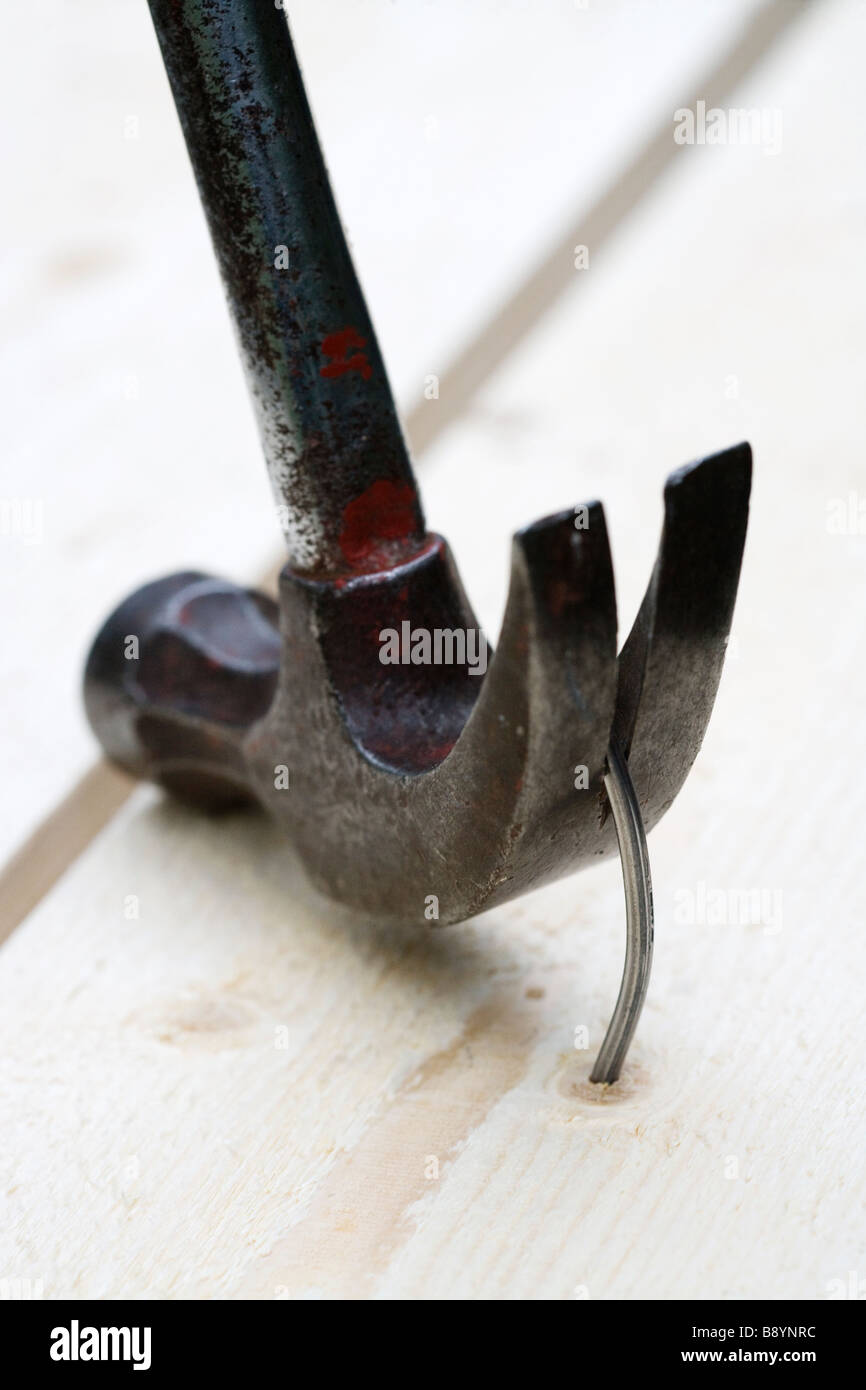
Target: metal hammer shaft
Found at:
335, 452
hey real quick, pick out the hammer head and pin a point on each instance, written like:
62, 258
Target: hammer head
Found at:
420, 777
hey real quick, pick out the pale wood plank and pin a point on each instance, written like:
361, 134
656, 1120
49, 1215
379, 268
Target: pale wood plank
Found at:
160, 1141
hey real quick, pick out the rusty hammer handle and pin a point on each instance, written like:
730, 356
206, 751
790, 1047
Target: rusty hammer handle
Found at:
335, 452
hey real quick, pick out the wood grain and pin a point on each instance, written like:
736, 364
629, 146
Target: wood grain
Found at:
216, 1085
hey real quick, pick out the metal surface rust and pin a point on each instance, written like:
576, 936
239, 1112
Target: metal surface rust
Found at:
394, 782
335, 452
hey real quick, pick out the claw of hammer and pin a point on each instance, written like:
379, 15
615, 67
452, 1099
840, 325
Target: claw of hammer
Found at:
411, 780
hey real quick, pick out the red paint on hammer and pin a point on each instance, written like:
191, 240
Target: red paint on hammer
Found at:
337, 346
385, 512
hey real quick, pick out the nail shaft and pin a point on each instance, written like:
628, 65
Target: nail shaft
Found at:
639, 918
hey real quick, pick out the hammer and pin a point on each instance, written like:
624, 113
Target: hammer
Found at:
417, 785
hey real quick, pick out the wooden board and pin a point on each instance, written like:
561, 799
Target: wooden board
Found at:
216, 1085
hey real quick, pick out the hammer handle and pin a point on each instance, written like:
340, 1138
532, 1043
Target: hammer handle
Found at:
328, 424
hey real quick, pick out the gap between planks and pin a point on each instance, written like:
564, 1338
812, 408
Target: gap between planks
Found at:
68, 830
